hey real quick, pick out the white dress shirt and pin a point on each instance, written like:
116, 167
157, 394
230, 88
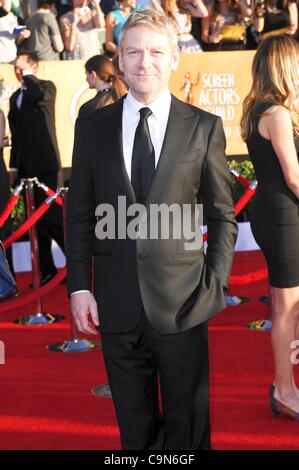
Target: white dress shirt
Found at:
19, 100
157, 123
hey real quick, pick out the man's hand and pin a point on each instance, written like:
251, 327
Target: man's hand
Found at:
21, 64
24, 34
85, 312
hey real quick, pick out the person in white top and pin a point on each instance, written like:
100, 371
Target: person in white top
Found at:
11, 34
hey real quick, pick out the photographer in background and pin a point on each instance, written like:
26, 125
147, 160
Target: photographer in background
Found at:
45, 39
11, 35
274, 17
181, 13
225, 27
79, 29
34, 150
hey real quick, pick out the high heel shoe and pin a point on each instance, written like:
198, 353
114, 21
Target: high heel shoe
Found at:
279, 408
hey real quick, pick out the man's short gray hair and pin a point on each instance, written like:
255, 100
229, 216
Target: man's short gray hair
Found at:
153, 19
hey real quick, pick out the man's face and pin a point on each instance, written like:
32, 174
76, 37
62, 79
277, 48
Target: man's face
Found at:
147, 59
90, 78
19, 74
22, 63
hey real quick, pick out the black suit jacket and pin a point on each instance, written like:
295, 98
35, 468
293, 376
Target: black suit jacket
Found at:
94, 103
34, 144
179, 289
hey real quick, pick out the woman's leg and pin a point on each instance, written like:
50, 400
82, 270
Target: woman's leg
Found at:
296, 351
285, 315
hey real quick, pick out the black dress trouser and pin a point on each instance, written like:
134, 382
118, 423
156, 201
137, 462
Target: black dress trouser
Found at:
134, 361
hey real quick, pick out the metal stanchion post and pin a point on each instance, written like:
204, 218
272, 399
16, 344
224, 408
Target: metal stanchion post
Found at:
74, 344
38, 318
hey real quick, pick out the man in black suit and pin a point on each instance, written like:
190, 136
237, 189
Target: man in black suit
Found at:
155, 294
34, 150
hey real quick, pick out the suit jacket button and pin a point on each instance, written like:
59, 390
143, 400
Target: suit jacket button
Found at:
143, 256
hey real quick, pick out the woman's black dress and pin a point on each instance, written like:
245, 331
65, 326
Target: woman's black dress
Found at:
275, 211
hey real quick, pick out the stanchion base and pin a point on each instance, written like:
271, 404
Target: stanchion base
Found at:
232, 300
102, 391
76, 345
39, 319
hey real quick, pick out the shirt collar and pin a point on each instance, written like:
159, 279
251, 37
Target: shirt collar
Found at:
159, 107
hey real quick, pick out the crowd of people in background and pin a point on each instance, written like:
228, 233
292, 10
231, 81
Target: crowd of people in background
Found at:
79, 29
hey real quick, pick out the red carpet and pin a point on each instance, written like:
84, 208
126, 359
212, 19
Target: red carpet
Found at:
46, 401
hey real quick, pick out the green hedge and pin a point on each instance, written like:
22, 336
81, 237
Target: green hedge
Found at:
18, 214
245, 169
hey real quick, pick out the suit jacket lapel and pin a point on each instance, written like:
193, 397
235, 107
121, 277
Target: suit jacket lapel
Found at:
180, 126
115, 158
13, 103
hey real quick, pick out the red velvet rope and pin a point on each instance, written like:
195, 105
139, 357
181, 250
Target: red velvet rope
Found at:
248, 278
14, 197
15, 303
27, 224
249, 193
243, 180
256, 275
50, 192
240, 178
9, 207
20, 301
243, 201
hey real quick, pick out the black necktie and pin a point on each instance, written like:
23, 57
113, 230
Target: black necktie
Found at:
143, 158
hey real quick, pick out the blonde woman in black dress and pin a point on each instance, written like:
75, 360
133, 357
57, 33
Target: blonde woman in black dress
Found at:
270, 127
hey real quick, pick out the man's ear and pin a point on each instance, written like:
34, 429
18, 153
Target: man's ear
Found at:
94, 75
120, 61
34, 68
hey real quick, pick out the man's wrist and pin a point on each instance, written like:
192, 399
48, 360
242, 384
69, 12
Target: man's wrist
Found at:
79, 291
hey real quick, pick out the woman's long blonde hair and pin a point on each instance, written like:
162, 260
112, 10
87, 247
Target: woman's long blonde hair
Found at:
275, 79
